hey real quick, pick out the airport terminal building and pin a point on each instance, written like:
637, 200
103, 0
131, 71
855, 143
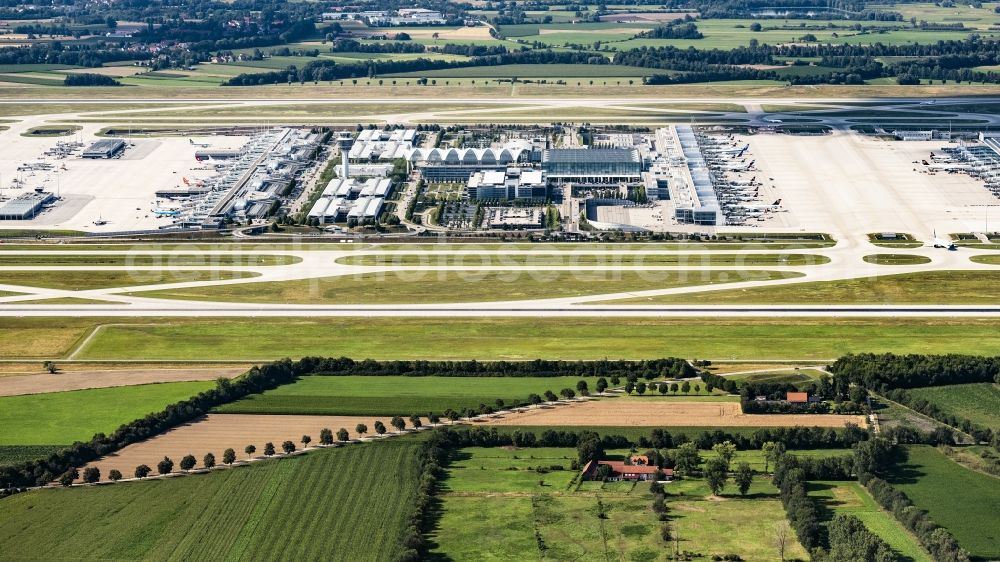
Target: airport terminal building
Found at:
595, 165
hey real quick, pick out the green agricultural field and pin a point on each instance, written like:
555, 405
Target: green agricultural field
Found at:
979, 403
175, 260
580, 259
65, 417
328, 504
395, 395
850, 498
959, 499
456, 286
938, 287
79, 280
165, 339
16, 454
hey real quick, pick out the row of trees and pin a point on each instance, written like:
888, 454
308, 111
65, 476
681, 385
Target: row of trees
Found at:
188, 462
615, 371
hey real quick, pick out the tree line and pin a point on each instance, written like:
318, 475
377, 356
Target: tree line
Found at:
650, 369
882, 372
328, 70
90, 79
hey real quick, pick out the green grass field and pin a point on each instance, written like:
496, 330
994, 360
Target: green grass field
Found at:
979, 403
456, 286
850, 498
534, 512
65, 417
989, 260
176, 260
80, 280
165, 339
784, 376
571, 259
395, 395
348, 503
896, 259
961, 500
938, 287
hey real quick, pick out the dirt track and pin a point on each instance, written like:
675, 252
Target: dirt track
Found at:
629, 412
217, 432
78, 380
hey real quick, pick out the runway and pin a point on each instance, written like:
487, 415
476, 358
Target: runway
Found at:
481, 310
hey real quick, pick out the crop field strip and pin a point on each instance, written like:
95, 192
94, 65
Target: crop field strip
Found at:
469, 285
650, 412
224, 339
290, 509
961, 500
977, 402
395, 395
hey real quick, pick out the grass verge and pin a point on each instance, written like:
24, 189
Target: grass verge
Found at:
173, 339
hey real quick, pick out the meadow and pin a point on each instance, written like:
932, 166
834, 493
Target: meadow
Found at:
536, 511
405, 287
850, 498
288, 509
938, 287
174, 260
571, 259
79, 280
978, 402
798, 377
959, 499
223, 339
395, 395
64, 417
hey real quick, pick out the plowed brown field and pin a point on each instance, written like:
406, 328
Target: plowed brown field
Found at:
35, 384
217, 432
627, 412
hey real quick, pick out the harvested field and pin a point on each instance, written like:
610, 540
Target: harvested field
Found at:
59, 382
631, 412
217, 432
